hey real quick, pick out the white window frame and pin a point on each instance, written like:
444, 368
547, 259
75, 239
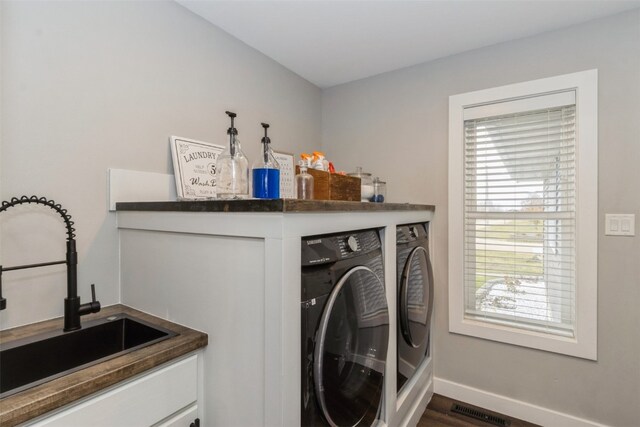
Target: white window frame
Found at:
584, 343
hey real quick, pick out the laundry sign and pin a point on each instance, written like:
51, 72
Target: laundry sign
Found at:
194, 167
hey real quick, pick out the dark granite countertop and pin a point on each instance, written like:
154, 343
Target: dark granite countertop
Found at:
28, 404
272, 205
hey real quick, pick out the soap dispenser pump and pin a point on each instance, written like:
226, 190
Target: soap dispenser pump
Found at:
266, 171
232, 168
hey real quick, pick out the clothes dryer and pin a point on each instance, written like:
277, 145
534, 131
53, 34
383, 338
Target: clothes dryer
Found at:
345, 329
415, 299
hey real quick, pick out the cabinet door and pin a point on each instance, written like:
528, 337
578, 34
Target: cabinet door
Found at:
182, 419
141, 402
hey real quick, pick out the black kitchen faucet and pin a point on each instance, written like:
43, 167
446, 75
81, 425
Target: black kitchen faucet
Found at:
72, 307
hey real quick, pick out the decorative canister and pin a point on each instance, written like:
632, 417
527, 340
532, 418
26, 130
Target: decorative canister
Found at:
366, 184
379, 190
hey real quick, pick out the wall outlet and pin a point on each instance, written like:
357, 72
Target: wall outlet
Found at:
620, 224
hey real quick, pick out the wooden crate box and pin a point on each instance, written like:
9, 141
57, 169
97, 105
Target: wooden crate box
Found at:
333, 186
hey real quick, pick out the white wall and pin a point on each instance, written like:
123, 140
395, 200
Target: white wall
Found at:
91, 85
395, 125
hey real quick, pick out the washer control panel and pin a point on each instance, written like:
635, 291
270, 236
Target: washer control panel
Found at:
349, 245
334, 247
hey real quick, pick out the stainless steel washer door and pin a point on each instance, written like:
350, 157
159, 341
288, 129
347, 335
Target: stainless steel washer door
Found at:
351, 349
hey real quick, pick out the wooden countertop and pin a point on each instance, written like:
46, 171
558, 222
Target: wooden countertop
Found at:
270, 205
28, 404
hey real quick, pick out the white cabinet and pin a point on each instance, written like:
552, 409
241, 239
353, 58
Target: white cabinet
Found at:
236, 276
168, 391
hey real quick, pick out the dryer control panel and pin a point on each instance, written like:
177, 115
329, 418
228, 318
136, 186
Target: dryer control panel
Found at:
411, 233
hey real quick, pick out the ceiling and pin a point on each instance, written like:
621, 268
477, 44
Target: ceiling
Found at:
330, 42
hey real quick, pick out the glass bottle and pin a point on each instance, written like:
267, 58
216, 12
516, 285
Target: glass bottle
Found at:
266, 171
366, 184
304, 183
379, 190
232, 168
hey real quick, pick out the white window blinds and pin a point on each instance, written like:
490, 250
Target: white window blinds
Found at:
520, 213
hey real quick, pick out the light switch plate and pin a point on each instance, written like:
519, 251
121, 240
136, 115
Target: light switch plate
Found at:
620, 224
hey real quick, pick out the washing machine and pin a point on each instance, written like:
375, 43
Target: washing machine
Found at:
345, 329
415, 299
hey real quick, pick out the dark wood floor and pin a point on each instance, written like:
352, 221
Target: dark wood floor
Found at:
438, 413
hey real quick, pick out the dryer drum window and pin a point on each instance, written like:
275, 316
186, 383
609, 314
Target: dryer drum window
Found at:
416, 289
351, 349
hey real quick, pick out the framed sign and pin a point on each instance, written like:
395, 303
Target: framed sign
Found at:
194, 167
287, 174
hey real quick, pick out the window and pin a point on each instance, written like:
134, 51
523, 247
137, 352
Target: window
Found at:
523, 214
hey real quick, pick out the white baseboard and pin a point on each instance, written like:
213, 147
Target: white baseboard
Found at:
505, 405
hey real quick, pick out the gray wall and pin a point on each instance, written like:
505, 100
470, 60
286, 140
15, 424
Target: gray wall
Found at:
395, 125
91, 85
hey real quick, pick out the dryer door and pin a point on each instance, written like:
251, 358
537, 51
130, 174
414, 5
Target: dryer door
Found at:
351, 349
416, 298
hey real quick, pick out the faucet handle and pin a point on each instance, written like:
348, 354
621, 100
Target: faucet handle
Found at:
90, 307
94, 305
